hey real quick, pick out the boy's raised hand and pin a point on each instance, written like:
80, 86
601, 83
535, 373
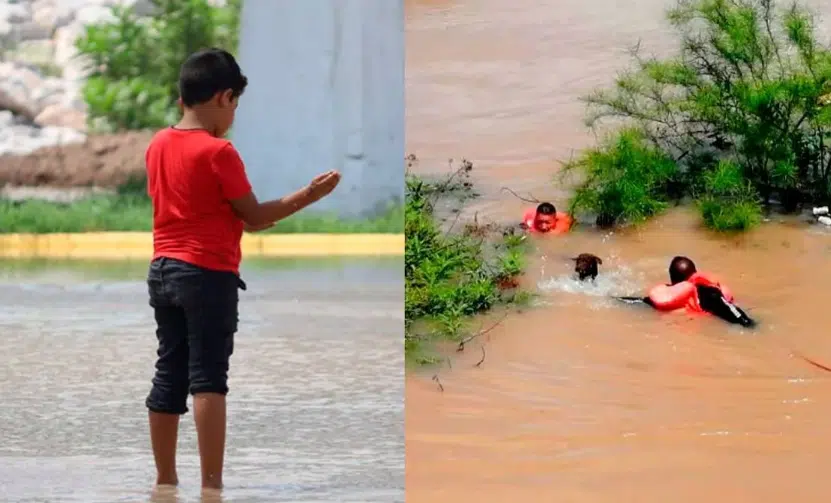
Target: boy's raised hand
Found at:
324, 183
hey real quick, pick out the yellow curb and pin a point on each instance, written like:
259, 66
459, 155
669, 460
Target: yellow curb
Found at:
128, 245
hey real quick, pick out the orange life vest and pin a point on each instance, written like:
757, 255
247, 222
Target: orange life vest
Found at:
684, 295
562, 223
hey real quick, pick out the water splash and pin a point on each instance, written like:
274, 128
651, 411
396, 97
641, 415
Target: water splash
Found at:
620, 280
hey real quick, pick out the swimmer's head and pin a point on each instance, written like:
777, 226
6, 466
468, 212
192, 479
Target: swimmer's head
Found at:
545, 217
680, 269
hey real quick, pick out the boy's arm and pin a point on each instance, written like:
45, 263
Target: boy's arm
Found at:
257, 214
236, 188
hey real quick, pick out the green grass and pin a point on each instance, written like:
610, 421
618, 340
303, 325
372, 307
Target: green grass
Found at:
131, 212
452, 276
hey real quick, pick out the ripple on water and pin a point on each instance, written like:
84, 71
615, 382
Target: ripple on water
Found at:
315, 410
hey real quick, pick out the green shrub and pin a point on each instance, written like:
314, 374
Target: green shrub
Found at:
450, 276
625, 180
135, 62
729, 203
746, 86
127, 104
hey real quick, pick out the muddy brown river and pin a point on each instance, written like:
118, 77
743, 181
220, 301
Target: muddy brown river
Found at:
580, 399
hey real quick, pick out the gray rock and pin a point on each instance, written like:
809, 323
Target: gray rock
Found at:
27, 93
62, 116
22, 139
50, 92
5, 29
36, 52
17, 82
7, 119
52, 15
93, 14
64, 40
15, 12
30, 30
42, 75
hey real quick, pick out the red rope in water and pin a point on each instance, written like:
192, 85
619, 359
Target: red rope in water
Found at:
813, 362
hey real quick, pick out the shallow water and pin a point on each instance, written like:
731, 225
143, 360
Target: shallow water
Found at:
581, 399
315, 410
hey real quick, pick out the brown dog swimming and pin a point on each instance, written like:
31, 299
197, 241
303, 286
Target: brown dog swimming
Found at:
585, 265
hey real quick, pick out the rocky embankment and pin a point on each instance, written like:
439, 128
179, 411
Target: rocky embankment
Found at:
43, 136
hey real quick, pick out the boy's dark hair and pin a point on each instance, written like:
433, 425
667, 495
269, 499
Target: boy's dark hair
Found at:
207, 72
680, 269
546, 209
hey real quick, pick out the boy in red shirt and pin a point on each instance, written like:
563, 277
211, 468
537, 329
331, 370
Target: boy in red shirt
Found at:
202, 202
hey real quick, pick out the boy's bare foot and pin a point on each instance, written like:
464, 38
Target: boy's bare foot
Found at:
164, 432
164, 494
210, 495
209, 414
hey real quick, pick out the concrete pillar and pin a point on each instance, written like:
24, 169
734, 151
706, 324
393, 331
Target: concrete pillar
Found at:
326, 91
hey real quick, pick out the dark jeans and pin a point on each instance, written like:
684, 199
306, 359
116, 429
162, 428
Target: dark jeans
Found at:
196, 317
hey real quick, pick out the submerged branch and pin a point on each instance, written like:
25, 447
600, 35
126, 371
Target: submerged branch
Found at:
479, 333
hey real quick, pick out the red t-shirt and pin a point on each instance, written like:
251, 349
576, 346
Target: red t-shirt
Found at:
191, 176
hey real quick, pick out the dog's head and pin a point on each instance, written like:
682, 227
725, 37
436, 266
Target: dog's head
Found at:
585, 265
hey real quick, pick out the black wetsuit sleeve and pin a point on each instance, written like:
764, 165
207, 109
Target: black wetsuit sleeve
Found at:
712, 301
636, 300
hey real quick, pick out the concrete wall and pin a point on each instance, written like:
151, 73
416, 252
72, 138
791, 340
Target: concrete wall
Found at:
326, 91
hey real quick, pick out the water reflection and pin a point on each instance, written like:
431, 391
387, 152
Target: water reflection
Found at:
135, 270
315, 411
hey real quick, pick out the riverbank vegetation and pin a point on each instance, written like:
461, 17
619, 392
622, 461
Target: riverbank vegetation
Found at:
736, 121
452, 271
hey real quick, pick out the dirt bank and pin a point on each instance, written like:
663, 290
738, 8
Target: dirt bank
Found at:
101, 161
